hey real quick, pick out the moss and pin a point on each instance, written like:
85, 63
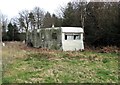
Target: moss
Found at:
48, 38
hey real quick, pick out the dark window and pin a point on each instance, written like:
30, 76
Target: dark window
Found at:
54, 36
65, 37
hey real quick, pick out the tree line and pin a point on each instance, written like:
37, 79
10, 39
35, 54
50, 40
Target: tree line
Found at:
100, 21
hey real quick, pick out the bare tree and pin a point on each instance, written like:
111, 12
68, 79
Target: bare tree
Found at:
15, 21
3, 27
81, 7
0, 30
3, 21
38, 15
32, 20
24, 21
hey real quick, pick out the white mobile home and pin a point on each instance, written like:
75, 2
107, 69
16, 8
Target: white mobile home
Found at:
63, 38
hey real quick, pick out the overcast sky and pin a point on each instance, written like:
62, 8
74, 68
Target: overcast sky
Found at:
12, 7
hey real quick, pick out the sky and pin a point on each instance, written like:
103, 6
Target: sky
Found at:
11, 8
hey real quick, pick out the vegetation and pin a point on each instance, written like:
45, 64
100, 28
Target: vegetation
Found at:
31, 65
12, 33
99, 20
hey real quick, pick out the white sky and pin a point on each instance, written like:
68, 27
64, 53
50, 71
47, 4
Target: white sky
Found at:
11, 8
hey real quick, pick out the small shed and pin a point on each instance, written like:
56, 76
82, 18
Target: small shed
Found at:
62, 38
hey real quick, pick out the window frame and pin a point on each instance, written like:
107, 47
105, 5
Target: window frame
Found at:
74, 35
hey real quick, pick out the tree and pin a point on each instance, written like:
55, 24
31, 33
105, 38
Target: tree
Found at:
38, 16
47, 21
68, 15
74, 14
57, 22
3, 21
0, 28
16, 32
10, 32
0, 32
32, 20
24, 22
99, 24
81, 12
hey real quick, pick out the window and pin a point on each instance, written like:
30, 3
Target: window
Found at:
54, 36
76, 37
65, 37
72, 36
69, 37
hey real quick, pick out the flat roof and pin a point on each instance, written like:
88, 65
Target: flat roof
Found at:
72, 29
66, 29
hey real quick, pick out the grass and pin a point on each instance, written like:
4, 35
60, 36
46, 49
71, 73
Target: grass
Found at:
29, 66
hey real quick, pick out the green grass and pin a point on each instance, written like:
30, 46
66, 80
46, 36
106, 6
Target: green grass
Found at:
62, 67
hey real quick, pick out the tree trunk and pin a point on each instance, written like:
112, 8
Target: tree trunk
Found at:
26, 40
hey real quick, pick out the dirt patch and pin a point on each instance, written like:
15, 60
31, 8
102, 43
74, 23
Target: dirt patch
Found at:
109, 49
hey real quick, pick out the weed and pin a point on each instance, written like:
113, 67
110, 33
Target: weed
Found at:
105, 60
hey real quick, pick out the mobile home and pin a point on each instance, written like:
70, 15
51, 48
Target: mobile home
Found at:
63, 38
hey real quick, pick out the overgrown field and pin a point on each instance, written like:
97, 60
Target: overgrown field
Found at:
23, 64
